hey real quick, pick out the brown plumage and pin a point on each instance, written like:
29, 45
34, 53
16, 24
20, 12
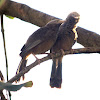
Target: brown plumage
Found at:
67, 36
39, 42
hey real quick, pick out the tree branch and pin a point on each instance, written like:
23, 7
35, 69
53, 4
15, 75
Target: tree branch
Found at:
25, 13
73, 51
88, 38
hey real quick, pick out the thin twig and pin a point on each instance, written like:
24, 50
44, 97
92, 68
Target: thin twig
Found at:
1, 76
73, 51
2, 97
4, 43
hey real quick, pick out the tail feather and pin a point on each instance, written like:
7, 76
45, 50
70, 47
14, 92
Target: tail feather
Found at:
53, 73
56, 74
21, 66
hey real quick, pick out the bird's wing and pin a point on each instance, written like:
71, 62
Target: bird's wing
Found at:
31, 45
36, 38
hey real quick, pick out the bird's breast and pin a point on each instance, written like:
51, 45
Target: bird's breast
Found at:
64, 41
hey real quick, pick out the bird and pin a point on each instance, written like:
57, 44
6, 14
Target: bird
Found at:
67, 36
39, 42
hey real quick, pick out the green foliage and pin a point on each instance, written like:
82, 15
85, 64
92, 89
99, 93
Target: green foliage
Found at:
1, 2
9, 17
12, 87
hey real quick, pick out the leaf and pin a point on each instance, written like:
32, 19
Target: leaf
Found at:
9, 17
28, 84
2, 2
11, 87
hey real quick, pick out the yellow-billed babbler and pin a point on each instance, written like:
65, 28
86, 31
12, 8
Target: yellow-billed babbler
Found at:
39, 42
67, 36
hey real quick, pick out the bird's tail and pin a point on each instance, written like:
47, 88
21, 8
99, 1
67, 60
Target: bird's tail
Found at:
53, 74
56, 74
21, 66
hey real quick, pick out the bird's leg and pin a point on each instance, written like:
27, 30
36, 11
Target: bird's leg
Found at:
50, 54
62, 52
37, 59
59, 73
53, 73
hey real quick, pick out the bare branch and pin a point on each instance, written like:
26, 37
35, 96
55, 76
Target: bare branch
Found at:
88, 38
25, 13
73, 51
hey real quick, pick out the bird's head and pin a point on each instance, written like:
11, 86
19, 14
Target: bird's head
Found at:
73, 19
70, 24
